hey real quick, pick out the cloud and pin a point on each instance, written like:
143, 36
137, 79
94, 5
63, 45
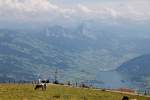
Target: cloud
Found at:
84, 8
27, 5
138, 10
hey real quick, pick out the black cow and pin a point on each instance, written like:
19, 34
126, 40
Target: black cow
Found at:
125, 98
42, 86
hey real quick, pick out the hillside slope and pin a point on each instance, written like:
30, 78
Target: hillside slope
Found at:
137, 70
54, 92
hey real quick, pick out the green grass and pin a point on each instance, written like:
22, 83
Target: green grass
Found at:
56, 92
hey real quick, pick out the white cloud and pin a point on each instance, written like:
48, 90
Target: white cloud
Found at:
129, 9
27, 5
84, 8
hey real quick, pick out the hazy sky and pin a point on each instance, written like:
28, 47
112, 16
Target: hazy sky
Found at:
41, 10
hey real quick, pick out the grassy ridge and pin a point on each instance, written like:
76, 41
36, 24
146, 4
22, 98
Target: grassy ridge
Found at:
53, 92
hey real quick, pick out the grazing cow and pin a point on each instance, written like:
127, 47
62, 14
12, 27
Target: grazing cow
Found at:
42, 86
125, 98
84, 85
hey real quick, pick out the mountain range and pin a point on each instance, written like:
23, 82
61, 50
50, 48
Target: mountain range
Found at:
80, 53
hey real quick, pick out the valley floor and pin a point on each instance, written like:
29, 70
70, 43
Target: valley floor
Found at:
57, 92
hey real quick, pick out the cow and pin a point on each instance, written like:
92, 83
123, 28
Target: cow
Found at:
125, 98
42, 86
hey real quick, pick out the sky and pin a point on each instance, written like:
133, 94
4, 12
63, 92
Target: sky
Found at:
73, 10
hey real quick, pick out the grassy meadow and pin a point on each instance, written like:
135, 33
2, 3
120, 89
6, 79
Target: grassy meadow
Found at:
56, 92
